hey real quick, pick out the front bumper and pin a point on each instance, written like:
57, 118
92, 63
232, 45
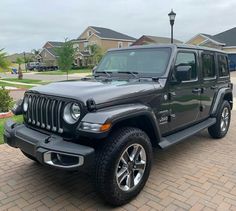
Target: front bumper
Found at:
48, 149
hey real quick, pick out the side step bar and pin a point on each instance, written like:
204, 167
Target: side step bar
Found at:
183, 134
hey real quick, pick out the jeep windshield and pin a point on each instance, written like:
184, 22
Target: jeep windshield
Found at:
147, 61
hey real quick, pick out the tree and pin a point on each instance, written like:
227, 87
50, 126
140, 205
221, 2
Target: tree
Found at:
20, 61
66, 55
4, 63
96, 53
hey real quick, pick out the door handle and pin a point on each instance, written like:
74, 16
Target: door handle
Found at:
196, 91
214, 87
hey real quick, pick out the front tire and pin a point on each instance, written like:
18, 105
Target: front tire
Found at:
220, 128
123, 165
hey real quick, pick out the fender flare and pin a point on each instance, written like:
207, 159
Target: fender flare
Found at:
219, 99
117, 114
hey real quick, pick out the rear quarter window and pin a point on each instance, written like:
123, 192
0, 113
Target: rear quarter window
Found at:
223, 65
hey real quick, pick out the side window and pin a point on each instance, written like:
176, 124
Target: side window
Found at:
223, 66
208, 66
187, 59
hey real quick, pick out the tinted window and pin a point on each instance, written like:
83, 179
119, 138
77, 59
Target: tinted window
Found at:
223, 66
137, 60
208, 66
187, 59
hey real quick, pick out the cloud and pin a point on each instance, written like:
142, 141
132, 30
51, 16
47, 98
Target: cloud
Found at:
27, 24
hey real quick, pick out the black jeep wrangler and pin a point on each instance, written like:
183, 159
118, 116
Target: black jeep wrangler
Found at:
138, 98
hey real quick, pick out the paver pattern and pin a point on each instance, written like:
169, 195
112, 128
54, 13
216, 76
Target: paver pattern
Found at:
197, 174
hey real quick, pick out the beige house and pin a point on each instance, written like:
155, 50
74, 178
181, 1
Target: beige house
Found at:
103, 37
225, 41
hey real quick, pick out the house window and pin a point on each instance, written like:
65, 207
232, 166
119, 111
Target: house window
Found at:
89, 33
85, 45
120, 44
208, 66
93, 43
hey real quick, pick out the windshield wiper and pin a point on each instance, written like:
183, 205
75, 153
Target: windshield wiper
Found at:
135, 74
104, 72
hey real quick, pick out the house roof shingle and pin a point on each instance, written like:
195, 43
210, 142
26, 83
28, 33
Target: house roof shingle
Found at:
228, 37
52, 51
111, 34
55, 43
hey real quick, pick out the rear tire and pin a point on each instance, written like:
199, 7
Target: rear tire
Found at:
220, 128
123, 165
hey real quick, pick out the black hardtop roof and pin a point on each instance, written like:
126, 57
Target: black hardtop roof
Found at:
173, 46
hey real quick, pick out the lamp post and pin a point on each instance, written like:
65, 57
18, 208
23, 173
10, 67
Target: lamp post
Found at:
172, 21
25, 62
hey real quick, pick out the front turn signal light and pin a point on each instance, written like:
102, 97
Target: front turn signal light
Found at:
105, 127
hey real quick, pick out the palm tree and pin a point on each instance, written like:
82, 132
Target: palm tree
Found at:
19, 61
4, 63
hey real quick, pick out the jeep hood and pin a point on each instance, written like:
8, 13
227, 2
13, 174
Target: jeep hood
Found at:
100, 91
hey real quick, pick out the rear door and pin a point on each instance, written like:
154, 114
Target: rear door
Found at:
208, 82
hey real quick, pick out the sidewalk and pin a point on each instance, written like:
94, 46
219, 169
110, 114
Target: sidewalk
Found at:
19, 83
17, 94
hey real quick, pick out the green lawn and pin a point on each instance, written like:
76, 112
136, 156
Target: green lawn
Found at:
60, 72
2, 122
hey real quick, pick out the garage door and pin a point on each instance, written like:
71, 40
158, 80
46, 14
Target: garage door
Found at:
232, 62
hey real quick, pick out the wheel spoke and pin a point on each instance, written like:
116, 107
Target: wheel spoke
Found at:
122, 174
140, 166
222, 125
125, 158
135, 153
130, 180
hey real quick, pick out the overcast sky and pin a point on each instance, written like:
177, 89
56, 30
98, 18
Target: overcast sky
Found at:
28, 24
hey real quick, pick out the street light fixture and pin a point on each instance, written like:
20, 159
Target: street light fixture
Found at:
172, 15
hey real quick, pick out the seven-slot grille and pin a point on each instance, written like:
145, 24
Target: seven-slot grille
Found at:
45, 112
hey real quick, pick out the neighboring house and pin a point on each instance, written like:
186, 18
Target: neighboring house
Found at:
103, 37
147, 39
225, 41
48, 54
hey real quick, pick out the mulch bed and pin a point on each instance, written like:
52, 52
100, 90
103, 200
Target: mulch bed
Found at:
6, 115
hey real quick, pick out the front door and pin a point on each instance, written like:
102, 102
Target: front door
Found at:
185, 95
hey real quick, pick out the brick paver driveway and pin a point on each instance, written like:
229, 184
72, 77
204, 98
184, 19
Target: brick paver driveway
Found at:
198, 174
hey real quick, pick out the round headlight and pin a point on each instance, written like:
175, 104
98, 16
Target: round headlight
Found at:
71, 113
26, 104
75, 111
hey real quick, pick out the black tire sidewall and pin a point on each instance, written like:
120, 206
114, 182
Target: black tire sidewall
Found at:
114, 195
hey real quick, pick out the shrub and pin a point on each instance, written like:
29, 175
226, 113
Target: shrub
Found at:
6, 102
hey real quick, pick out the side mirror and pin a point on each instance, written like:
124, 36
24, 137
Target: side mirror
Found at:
183, 73
94, 69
